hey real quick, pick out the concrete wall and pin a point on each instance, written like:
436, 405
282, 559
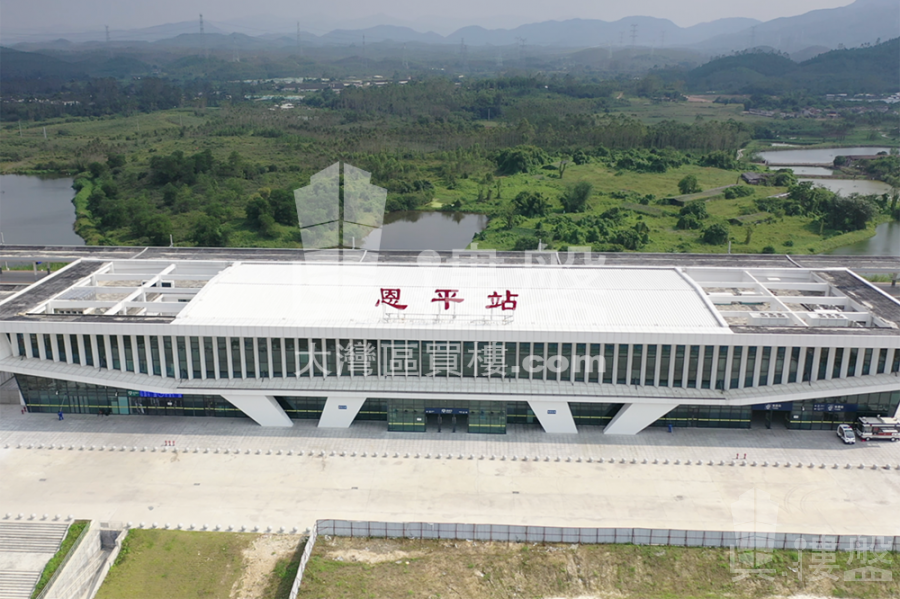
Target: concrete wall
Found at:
9, 390
86, 567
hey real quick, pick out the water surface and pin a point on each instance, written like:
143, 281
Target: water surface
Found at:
37, 211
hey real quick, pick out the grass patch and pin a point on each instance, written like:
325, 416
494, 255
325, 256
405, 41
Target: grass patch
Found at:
176, 564
75, 530
357, 568
282, 578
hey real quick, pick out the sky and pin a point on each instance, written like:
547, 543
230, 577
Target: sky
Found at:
80, 15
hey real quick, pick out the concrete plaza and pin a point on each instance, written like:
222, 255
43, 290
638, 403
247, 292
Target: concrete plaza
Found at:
290, 477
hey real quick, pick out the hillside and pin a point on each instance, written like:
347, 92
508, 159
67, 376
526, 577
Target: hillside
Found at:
874, 69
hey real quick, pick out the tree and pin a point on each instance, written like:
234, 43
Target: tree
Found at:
208, 232
696, 209
284, 209
157, 228
689, 185
520, 159
258, 207
715, 234
530, 204
576, 197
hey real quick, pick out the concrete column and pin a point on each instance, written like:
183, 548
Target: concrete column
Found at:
635, 417
554, 416
339, 412
261, 408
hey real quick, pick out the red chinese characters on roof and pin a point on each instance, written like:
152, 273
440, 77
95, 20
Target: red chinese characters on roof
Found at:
447, 296
390, 297
497, 300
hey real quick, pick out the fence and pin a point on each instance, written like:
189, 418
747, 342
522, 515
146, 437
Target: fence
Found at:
307, 551
506, 533
632, 536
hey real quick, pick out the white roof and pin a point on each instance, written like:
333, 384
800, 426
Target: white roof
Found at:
329, 296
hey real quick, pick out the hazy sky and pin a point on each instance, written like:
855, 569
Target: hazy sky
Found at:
69, 15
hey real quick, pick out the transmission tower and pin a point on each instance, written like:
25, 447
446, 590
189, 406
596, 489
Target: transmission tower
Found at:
108, 48
203, 38
499, 59
621, 38
521, 47
299, 47
753, 37
365, 60
633, 35
405, 61
463, 53
234, 48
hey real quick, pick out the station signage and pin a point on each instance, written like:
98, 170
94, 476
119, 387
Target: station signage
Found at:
463, 411
835, 407
775, 407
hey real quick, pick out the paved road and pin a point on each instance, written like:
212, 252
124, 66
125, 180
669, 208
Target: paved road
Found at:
262, 488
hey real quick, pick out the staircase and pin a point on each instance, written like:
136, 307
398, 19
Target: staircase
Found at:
17, 585
18, 538
31, 537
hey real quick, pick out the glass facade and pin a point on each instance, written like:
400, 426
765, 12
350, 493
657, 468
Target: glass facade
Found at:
827, 413
707, 417
51, 395
691, 366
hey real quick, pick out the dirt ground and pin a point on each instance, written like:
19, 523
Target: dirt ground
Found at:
259, 563
352, 568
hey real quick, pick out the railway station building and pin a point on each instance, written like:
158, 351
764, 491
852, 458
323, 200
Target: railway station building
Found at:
455, 345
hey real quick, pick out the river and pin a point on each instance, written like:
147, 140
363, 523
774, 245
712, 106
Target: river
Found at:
37, 211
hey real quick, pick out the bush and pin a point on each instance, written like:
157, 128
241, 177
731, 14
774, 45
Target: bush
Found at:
530, 204
576, 197
689, 185
739, 191
715, 235
768, 250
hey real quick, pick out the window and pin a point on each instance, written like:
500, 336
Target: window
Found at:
196, 369
250, 356
664, 360
779, 365
48, 347
838, 362
61, 348
88, 350
76, 355
129, 356
882, 360
101, 351
262, 345
236, 362
751, 366
650, 371
678, 374
222, 348
737, 354
142, 354
182, 356
170, 358
209, 357
277, 370
622, 365
290, 357
707, 366
636, 360
609, 353
20, 342
867, 361
851, 366
114, 350
35, 351
823, 364
764, 366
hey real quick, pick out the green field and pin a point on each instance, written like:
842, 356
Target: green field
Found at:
156, 564
378, 568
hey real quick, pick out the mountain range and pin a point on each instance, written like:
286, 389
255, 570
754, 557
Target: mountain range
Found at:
864, 21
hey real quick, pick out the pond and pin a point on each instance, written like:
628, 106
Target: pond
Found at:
885, 243
806, 171
815, 155
846, 187
414, 230
37, 211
